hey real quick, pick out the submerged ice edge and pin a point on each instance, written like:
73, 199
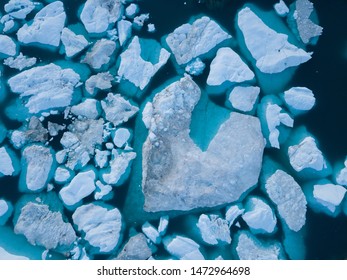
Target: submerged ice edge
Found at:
108, 167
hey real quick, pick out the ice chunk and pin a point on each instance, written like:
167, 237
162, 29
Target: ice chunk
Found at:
7, 46
98, 15
124, 31
163, 224
259, 216
341, 175
271, 50
198, 38
37, 162
102, 191
151, 28
121, 137
101, 226
243, 98
100, 81
8, 23
135, 249
62, 175
45, 87
147, 56
82, 185
248, 247
304, 25
89, 108
176, 174
195, 67
9, 165
72, 42
227, 66
54, 128
232, 213
281, 8
46, 26
100, 54
101, 158
19, 9
182, 248
151, 232
119, 168
139, 21
80, 141
289, 199
6, 209
299, 99
214, 230
117, 109
20, 62
43, 227
132, 10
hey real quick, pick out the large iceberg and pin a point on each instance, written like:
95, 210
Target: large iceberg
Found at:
177, 175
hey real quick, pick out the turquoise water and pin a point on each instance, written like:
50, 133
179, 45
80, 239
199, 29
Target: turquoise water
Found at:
325, 74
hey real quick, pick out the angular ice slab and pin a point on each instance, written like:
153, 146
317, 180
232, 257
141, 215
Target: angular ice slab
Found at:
45, 87
300, 19
341, 173
20, 62
281, 8
214, 230
299, 99
9, 164
98, 15
7, 46
182, 248
100, 81
232, 213
248, 247
228, 66
82, 185
196, 67
37, 162
43, 227
259, 216
6, 209
46, 26
101, 226
88, 108
243, 98
271, 50
19, 9
176, 174
194, 39
135, 249
289, 199
100, 54
141, 61
151, 232
124, 31
73, 43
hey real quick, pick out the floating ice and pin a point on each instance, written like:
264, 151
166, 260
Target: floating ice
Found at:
8, 23
163, 224
271, 50
135, 249
101, 158
214, 230
101, 226
227, 66
132, 10
243, 98
43, 227
117, 109
100, 54
46, 26
141, 61
62, 175
121, 137
287, 195
341, 174
54, 128
20, 62
82, 185
8, 162
89, 108
19, 9
98, 15
248, 247
259, 216
299, 99
176, 174
191, 40
6, 209
7, 46
232, 213
140, 20
100, 81
102, 191
281, 8
151, 28
73, 43
37, 162
195, 67
124, 31
45, 87
151, 232
182, 248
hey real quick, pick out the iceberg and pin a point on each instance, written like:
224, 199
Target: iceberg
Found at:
232, 213
101, 158
281, 8
139, 21
288, 197
124, 31
103, 192
176, 174
20, 62
163, 225
243, 98
248, 247
214, 230
101, 226
100, 81
9, 164
182, 248
196, 67
6, 209
73, 43
88, 108
7, 46
195, 39
341, 173
271, 50
19, 9
151, 232
46, 27
299, 99
228, 67
135, 249
63, 175
98, 15
132, 10
45, 87
82, 185
121, 137
37, 168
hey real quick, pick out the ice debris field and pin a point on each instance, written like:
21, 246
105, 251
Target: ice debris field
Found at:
105, 156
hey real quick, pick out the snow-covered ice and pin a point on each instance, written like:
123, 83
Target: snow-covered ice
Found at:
7, 46
7, 166
121, 137
135, 249
89, 108
124, 31
100, 54
281, 8
20, 62
73, 43
243, 98
195, 67
151, 232
62, 175
100, 81
182, 247
132, 10
214, 230
299, 99
232, 213
19, 9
